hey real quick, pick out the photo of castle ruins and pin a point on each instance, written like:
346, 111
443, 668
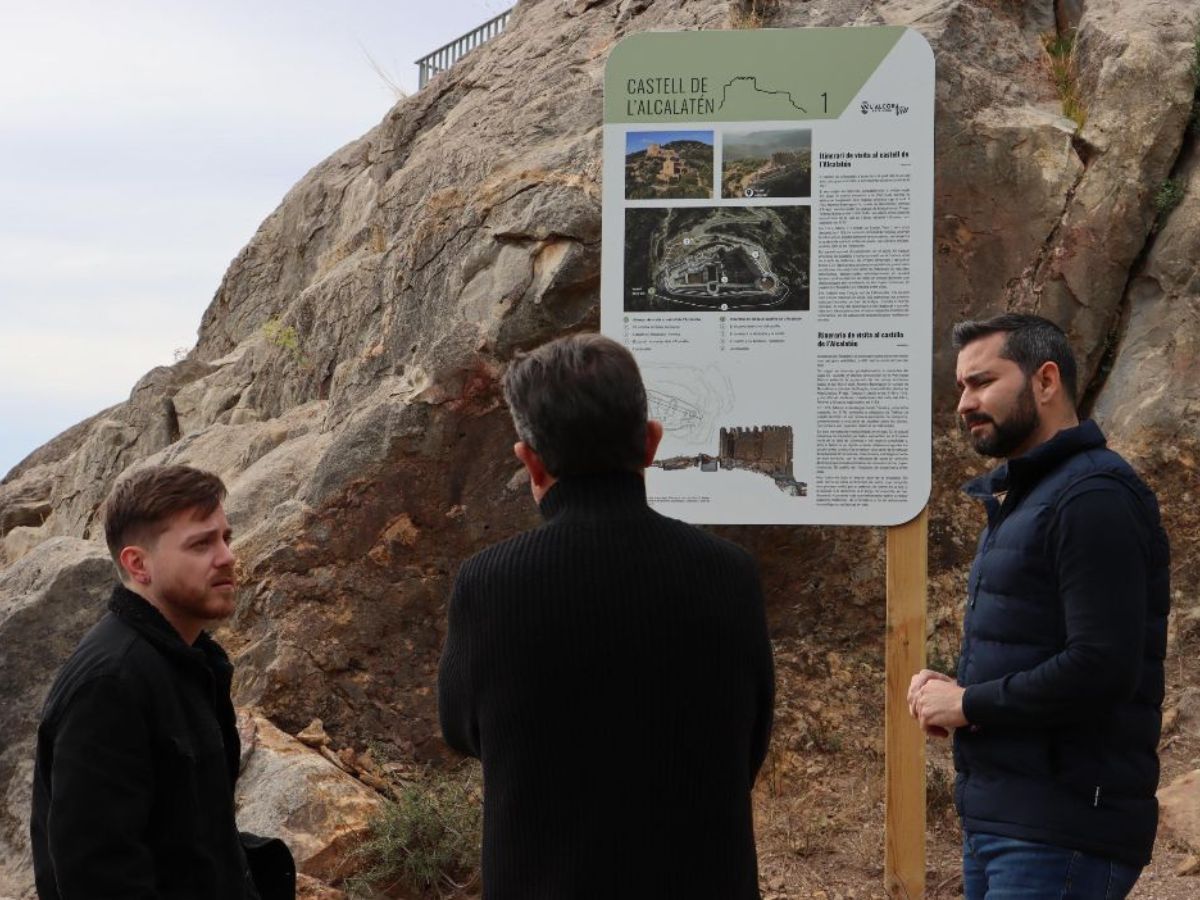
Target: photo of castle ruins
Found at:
717, 259
668, 165
766, 450
767, 163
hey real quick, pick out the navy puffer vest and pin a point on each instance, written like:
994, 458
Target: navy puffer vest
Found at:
1085, 780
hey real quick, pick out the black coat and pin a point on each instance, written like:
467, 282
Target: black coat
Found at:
613, 672
1062, 654
136, 761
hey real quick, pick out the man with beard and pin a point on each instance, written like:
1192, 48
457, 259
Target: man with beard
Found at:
1056, 707
138, 748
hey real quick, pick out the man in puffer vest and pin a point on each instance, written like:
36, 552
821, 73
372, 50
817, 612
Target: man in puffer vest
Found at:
1056, 708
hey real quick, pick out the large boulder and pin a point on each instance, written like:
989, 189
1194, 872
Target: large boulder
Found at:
1179, 811
290, 791
48, 600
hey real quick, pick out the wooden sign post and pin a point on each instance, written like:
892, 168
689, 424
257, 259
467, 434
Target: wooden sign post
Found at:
904, 744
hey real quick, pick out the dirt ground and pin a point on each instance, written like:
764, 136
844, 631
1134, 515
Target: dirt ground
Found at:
819, 801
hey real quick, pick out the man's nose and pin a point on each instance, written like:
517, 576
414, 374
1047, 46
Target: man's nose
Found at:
967, 401
225, 555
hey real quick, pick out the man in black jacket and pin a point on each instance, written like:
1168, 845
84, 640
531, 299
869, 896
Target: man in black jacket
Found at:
138, 746
611, 668
1056, 708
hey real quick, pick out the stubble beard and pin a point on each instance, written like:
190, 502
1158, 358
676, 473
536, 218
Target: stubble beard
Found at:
207, 604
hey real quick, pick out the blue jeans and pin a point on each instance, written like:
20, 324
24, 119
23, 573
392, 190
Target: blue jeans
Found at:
1003, 868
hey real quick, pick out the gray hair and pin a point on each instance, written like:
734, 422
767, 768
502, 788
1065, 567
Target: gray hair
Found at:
579, 402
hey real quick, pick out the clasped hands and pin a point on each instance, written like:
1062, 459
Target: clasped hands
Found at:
935, 701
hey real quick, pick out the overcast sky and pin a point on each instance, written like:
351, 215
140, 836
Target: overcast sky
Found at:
141, 144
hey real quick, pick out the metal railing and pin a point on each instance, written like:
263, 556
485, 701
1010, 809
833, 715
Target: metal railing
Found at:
444, 57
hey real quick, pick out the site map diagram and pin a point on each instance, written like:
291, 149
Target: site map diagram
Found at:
717, 259
688, 400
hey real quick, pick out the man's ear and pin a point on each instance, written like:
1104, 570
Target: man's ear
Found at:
132, 560
1047, 382
538, 476
654, 433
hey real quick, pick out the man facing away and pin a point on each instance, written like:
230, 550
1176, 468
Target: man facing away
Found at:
138, 747
611, 668
1056, 710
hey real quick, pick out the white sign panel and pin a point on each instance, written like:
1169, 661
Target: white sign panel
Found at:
767, 257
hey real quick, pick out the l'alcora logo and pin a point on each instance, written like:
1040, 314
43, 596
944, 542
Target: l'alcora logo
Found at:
897, 108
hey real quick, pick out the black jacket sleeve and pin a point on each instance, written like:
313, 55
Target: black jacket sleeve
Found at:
456, 693
102, 785
1100, 546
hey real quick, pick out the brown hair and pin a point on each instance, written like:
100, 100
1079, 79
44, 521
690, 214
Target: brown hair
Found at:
140, 504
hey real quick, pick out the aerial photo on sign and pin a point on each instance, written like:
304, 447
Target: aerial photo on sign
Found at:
717, 259
767, 163
668, 165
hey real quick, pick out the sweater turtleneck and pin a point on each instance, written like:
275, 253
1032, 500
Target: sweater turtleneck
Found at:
590, 496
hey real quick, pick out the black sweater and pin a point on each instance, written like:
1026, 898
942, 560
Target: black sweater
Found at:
612, 670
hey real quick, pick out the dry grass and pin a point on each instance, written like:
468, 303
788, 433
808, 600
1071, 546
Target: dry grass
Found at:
752, 13
1060, 56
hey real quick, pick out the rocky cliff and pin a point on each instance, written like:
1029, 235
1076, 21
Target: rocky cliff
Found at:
344, 383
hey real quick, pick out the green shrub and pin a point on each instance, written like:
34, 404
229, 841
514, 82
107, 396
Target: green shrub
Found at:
281, 335
287, 339
1169, 196
1194, 124
428, 837
939, 790
1195, 67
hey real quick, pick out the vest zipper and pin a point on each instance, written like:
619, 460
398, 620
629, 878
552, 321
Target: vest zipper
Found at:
1096, 800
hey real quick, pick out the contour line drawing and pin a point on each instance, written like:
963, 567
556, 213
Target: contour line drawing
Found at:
754, 84
688, 400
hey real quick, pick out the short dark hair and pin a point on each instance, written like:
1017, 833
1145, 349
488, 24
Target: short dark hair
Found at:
1030, 341
140, 504
579, 402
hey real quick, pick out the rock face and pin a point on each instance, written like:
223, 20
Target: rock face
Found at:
1179, 810
289, 791
48, 601
345, 380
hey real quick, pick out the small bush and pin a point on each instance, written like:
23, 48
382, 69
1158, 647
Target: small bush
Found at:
287, 339
1195, 67
281, 335
429, 837
1194, 124
939, 790
1169, 196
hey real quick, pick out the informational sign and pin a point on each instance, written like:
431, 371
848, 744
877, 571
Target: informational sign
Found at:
767, 257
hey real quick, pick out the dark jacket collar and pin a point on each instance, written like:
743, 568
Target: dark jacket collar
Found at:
614, 493
141, 615
1024, 471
